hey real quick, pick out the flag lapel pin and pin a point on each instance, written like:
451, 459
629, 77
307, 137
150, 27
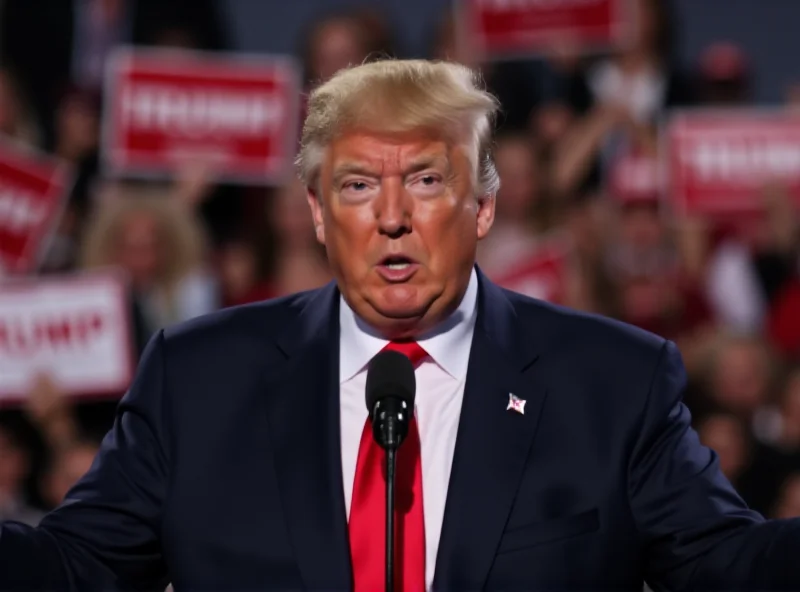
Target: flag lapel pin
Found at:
516, 404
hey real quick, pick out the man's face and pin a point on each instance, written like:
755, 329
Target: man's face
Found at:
400, 220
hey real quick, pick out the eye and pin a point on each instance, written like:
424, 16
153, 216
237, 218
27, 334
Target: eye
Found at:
427, 181
427, 185
355, 185
358, 190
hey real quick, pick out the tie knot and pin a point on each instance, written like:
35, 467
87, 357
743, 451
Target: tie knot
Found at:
410, 349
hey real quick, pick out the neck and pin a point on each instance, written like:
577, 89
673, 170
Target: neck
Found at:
424, 325
406, 329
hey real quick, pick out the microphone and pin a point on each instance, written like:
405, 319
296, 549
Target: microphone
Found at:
391, 388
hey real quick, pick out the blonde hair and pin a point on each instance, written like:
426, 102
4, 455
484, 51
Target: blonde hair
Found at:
182, 236
396, 96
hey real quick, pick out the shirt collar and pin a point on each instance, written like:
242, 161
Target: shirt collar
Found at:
449, 343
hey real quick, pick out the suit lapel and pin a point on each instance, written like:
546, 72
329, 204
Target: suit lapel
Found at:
492, 445
303, 416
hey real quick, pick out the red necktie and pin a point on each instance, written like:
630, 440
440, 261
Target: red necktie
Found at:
367, 524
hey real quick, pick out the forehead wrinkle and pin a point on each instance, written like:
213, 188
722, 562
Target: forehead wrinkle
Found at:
374, 156
429, 158
351, 167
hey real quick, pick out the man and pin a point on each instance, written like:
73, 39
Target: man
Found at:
555, 451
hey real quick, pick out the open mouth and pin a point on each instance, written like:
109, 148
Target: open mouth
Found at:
397, 262
397, 268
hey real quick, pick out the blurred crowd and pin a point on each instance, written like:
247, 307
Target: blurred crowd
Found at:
727, 296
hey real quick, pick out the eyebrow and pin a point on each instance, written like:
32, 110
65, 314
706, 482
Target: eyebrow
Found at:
352, 168
427, 162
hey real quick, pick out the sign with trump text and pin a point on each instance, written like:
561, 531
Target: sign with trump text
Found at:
523, 27
33, 189
636, 178
719, 162
75, 329
166, 108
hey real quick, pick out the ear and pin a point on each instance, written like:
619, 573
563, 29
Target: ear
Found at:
315, 203
486, 205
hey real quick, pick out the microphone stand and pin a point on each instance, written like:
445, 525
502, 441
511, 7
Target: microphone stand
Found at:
391, 462
390, 432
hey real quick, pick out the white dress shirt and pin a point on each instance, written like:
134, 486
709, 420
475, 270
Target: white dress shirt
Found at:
440, 391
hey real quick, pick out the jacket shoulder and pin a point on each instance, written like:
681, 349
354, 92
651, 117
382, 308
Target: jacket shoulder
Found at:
238, 324
588, 335
600, 363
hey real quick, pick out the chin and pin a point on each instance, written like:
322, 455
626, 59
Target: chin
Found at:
407, 312
394, 319
403, 300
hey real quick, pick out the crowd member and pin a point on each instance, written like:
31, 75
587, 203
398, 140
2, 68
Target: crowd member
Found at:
67, 466
77, 138
521, 212
727, 436
298, 262
242, 271
336, 42
655, 291
741, 377
15, 465
788, 505
724, 77
643, 75
17, 121
160, 246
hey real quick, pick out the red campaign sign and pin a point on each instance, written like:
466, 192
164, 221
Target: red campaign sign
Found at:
74, 328
718, 162
33, 189
519, 27
636, 178
167, 107
542, 275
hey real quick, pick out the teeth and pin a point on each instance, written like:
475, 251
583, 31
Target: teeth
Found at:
397, 265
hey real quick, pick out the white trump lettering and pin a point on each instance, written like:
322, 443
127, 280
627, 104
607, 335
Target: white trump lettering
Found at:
19, 211
200, 112
742, 160
56, 333
541, 4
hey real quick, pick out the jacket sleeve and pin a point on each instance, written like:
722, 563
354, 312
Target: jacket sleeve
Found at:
698, 532
106, 534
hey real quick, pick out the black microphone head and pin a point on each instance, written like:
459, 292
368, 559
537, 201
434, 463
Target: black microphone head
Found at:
390, 374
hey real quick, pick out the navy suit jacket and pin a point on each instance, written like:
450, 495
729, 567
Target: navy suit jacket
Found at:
223, 468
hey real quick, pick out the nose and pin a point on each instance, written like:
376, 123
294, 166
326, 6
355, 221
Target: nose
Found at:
393, 210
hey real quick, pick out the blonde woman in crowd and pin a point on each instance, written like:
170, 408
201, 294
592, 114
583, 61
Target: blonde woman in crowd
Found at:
161, 247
